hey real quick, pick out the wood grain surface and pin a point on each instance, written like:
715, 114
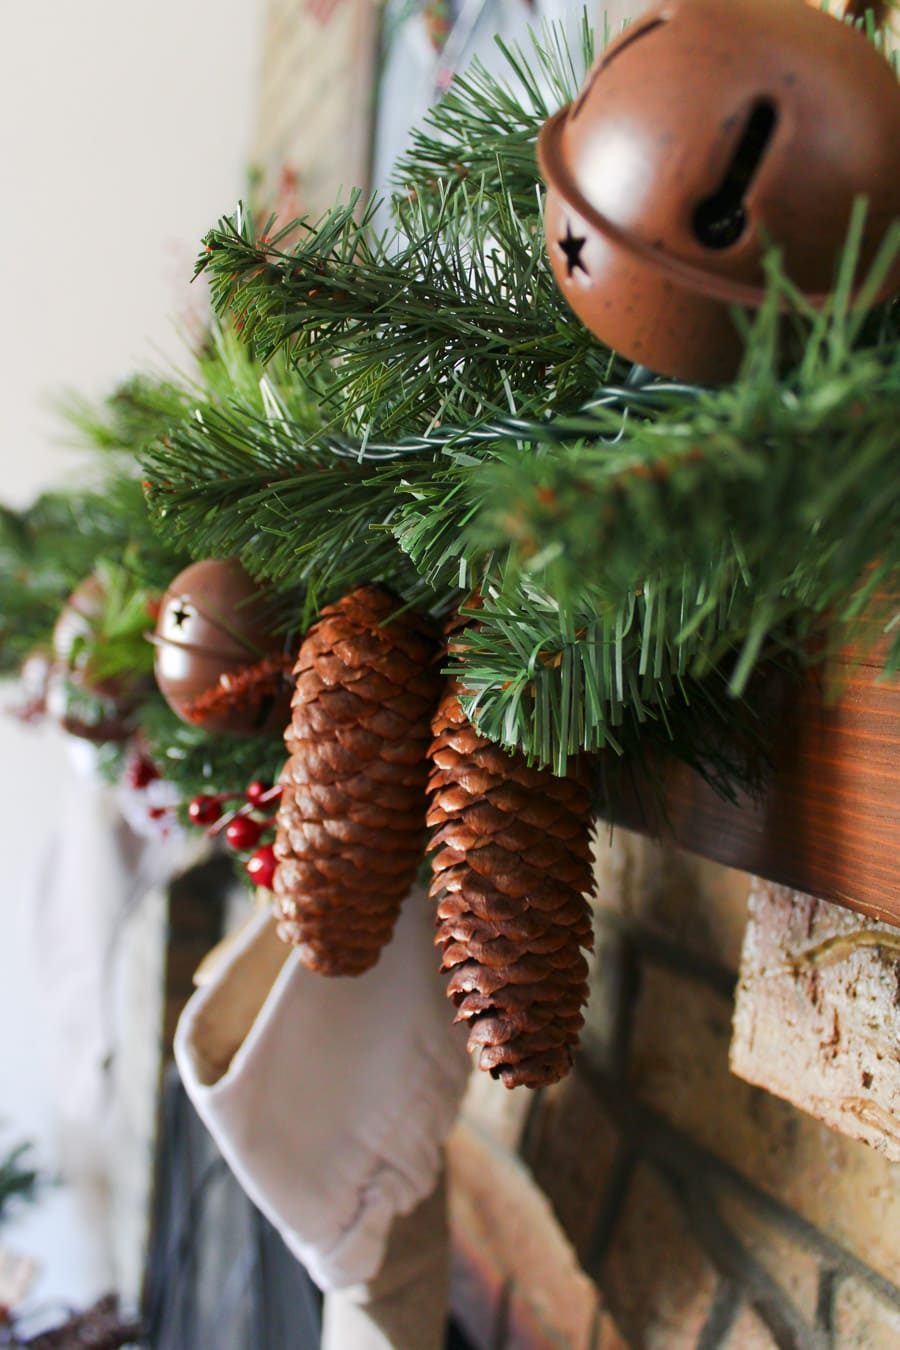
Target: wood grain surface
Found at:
828, 819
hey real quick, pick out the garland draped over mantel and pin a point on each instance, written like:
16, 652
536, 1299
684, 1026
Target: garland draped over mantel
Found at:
419, 408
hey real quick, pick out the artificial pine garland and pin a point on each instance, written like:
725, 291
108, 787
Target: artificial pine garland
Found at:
470, 427
381, 425
431, 417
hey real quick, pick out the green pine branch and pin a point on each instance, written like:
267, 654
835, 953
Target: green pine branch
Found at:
422, 409
553, 683
457, 322
768, 502
255, 478
196, 761
487, 125
115, 647
47, 549
18, 1184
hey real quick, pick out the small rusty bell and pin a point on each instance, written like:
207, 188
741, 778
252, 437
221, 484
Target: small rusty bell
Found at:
707, 130
211, 632
92, 706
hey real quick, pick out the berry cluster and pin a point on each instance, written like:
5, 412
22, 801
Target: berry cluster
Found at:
244, 826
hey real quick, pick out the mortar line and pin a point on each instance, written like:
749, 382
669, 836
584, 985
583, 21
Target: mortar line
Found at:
614, 1197
663, 951
727, 1303
829, 1280
526, 1147
650, 1133
501, 1322
728, 1254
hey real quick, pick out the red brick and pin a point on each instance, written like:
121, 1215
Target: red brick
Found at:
658, 1282
601, 1034
679, 1066
695, 904
749, 1332
574, 1145
497, 1212
794, 1266
863, 1320
526, 1332
494, 1110
477, 1282
817, 1019
607, 1335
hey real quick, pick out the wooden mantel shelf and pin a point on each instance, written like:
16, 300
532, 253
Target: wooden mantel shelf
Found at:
828, 822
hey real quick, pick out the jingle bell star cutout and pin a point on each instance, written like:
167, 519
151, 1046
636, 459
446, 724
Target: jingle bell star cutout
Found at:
571, 247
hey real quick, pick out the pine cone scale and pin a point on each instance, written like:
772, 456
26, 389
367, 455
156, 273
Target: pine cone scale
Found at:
480, 892
335, 763
509, 814
511, 867
533, 1011
350, 828
314, 800
533, 1072
532, 937
542, 855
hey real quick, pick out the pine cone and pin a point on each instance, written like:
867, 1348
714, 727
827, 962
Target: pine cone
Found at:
351, 822
510, 878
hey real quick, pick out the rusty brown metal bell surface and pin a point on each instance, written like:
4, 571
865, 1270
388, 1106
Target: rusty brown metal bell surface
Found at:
210, 627
706, 129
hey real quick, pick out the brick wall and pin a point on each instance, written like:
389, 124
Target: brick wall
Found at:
703, 1211
817, 1017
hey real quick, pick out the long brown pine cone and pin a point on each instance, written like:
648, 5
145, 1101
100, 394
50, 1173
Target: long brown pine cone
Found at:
351, 822
510, 876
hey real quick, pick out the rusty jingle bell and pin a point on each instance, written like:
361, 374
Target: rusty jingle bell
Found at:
106, 710
709, 128
210, 633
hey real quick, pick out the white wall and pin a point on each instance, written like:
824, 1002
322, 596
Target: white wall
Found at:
124, 133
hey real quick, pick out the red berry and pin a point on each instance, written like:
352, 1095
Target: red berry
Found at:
261, 867
243, 832
262, 794
142, 772
204, 810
